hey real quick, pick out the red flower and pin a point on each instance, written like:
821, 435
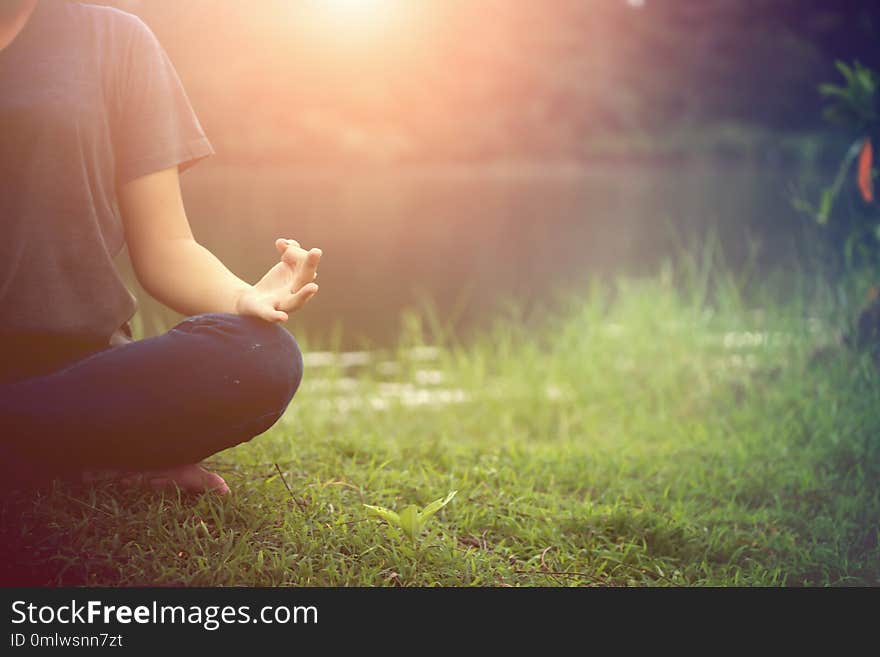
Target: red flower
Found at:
866, 159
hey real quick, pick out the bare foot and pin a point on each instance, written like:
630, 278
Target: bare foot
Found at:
191, 478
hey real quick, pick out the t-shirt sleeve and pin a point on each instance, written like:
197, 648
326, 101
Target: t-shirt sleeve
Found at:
154, 126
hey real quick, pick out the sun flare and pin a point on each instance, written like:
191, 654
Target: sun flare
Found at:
359, 14
356, 8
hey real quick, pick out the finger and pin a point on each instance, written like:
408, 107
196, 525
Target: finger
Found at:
310, 261
293, 256
299, 299
307, 270
271, 314
291, 252
281, 244
275, 316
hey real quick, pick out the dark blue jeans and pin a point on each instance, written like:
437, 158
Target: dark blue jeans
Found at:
211, 382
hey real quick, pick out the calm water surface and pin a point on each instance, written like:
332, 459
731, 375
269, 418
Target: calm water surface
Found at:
468, 237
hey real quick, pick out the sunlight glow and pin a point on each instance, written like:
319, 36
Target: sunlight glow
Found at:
359, 15
356, 8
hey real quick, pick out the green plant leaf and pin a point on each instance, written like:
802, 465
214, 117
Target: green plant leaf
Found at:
803, 206
828, 89
829, 194
436, 505
411, 522
825, 204
845, 71
386, 514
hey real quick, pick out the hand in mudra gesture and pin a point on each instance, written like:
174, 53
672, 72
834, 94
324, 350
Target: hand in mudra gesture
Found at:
286, 287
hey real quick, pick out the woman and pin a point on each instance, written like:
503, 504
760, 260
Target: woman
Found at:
94, 130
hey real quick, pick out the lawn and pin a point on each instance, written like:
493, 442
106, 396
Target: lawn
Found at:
635, 435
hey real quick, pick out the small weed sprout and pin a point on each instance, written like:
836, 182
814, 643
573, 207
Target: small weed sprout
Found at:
410, 520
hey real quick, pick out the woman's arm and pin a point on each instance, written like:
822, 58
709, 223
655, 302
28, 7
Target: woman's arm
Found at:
184, 275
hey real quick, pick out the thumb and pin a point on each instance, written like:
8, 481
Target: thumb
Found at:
264, 309
273, 315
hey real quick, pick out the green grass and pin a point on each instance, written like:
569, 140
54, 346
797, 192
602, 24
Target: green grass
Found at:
635, 436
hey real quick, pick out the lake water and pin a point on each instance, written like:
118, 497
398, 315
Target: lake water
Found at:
469, 236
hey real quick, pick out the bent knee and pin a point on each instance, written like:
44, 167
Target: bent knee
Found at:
265, 355
276, 354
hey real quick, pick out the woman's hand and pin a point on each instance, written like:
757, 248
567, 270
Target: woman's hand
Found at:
286, 287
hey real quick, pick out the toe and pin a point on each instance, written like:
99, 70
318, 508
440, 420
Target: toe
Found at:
214, 483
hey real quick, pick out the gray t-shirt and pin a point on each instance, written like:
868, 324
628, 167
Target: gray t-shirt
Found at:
88, 100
